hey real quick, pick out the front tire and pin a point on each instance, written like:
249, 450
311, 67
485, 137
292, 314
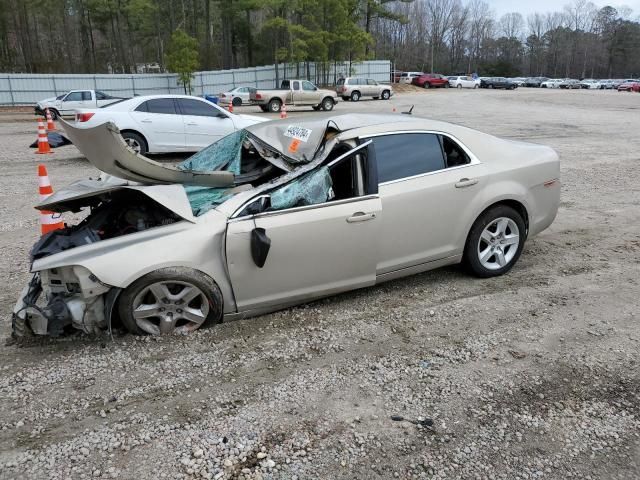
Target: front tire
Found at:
170, 300
386, 95
495, 242
327, 104
426, 85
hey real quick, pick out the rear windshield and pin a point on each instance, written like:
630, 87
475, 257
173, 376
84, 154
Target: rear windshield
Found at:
285, 84
340, 81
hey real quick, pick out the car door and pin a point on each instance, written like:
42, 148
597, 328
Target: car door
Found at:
426, 197
243, 93
373, 89
308, 94
161, 124
315, 250
204, 123
76, 100
468, 82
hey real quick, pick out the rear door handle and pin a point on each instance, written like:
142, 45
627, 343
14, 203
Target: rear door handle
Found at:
466, 182
192, 123
361, 217
146, 120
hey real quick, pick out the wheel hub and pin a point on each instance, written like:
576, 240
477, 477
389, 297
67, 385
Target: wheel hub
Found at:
170, 307
498, 244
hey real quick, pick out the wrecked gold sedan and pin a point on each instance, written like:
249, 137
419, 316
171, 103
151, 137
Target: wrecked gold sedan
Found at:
277, 214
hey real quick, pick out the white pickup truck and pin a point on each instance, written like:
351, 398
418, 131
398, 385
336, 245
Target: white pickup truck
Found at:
66, 104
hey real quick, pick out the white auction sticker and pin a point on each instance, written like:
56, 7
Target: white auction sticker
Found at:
300, 133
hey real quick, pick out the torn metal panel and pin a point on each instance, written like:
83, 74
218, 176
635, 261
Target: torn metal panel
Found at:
85, 193
106, 150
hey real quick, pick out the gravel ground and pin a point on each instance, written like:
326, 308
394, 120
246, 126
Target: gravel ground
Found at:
531, 375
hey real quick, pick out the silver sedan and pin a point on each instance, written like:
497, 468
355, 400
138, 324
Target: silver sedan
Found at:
278, 214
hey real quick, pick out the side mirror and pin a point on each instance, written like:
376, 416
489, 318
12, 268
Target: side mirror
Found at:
259, 206
260, 246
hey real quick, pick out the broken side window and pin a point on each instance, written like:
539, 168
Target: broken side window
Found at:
310, 189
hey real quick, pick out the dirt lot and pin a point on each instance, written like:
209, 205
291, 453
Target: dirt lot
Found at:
531, 375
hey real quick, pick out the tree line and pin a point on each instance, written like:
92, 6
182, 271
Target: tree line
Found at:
445, 36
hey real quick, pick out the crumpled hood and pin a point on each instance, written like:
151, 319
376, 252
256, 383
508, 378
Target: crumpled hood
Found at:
106, 150
86, 192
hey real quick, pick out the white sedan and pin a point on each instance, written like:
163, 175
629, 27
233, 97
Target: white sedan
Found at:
167, 123
463, 82
552, 83
236, 97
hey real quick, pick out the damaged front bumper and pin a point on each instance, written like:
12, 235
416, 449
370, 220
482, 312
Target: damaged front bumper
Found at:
55, 300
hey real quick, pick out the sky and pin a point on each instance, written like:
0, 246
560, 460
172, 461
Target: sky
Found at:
526, 7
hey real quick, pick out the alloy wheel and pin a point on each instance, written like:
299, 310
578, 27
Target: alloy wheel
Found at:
133, 144
498, 243
166, 307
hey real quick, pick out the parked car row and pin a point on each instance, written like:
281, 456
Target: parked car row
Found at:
427, 80
574, 84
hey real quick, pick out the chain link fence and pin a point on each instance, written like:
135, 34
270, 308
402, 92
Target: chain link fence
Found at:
27, 89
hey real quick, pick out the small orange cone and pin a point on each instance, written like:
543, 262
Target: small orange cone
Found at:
43, 141
51, 126
283, 111
230, 107
394, 109
49, 221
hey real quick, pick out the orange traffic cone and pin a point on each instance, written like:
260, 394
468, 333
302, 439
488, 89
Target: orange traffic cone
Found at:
49, 221
230, 108
283, 111
43, 141
51, 127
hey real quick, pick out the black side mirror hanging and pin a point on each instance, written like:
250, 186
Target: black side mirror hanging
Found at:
260, 245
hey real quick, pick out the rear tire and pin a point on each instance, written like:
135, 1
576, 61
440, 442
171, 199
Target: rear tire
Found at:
205, 307
275, 105
386, 95
236, 102
459, 86
490, 249
355, 96
426, 85
136, 142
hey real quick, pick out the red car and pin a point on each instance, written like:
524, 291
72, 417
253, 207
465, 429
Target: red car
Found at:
431, 80
629, 87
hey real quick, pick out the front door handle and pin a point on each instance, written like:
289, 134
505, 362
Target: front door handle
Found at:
361, 217
146, 120
466, 182
192, 123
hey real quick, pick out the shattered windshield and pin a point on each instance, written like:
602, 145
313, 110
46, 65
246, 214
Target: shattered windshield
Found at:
225, 154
